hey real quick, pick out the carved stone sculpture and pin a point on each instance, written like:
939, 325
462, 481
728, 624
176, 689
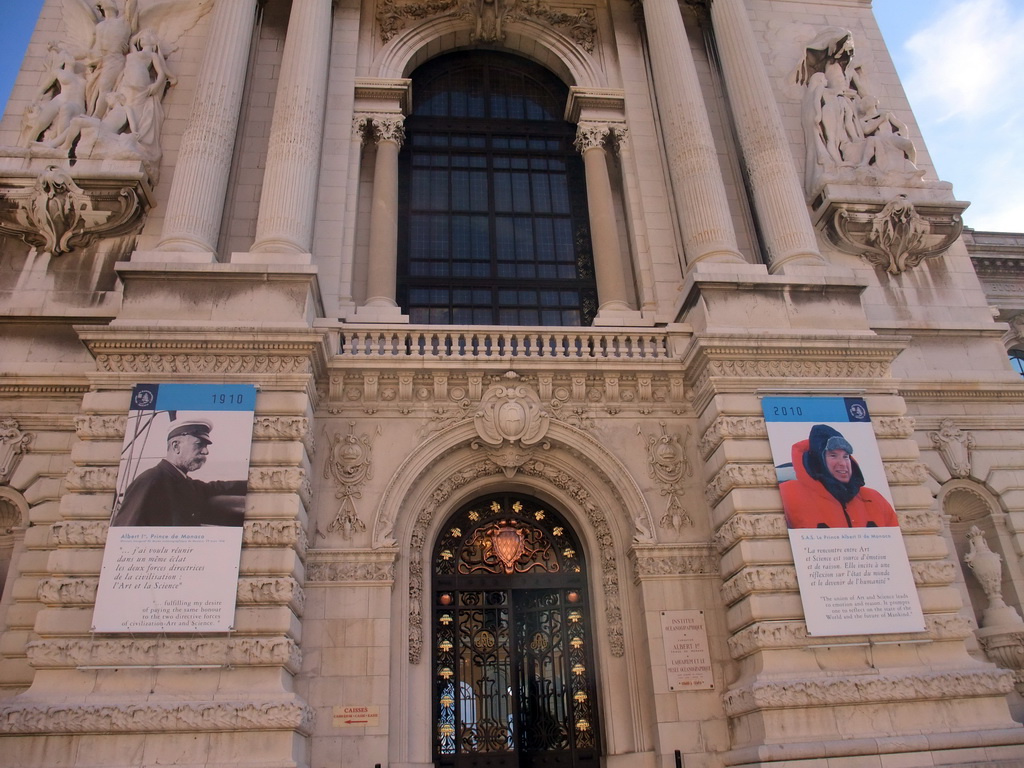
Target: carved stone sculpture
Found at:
489, 18
847, 137
103, 92
954, 446
988, 569
1002, 630
60, 99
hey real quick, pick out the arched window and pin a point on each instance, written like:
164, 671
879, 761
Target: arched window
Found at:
1017, 360
494, 227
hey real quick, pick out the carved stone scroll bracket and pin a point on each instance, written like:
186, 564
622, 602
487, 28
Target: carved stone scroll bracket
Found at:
894, 234
59, 209
13, 444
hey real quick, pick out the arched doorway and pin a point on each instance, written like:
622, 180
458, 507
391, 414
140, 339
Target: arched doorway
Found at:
514, 682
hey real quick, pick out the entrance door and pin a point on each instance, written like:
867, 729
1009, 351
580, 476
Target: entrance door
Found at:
514, 682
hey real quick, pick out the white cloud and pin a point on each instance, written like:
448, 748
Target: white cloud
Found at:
966, 83
969, 61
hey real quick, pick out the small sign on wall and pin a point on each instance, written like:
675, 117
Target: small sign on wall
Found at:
687, 659
356, 717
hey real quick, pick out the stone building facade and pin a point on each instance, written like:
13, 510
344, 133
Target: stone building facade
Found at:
539, 257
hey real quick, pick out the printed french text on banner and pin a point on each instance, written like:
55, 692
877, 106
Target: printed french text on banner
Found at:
171, 559
851, 563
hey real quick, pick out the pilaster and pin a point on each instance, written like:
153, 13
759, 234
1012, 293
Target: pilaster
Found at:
880, 690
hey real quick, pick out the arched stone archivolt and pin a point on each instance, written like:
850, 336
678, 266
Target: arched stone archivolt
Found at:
966, 501
596, 494
542, 44
434, 463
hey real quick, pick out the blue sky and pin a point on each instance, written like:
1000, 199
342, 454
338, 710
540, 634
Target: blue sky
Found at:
961, 63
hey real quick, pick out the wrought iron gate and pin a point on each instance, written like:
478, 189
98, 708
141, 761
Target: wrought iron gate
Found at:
513, 655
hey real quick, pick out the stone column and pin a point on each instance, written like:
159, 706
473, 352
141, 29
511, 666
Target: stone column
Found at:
288, 200
701, 203
196, 201
389, 133
778, 197
604, 235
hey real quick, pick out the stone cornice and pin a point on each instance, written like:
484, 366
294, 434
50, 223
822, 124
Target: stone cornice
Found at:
673, 561
184, 350
59, 653
867, 689
255, 533
355, 566
954, 391
717, 363
157, 717
774, 635
60, 385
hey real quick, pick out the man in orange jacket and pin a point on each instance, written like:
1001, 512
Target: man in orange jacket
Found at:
828, 491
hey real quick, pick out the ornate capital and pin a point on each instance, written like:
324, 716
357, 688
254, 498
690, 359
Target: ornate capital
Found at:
599, 135
388, 128
591, 136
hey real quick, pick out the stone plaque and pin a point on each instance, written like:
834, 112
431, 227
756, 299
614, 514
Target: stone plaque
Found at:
687, 660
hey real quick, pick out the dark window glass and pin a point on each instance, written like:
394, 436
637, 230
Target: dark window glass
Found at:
494, 226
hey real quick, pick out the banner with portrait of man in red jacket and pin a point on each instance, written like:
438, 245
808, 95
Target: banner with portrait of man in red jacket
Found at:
851, 563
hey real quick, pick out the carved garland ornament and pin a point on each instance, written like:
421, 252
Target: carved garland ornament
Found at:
349, 465
774, 635
489, 18
255, 533
667, 464
731, 427
678, 560
259, 590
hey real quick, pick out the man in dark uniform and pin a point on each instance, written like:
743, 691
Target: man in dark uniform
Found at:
166, 495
